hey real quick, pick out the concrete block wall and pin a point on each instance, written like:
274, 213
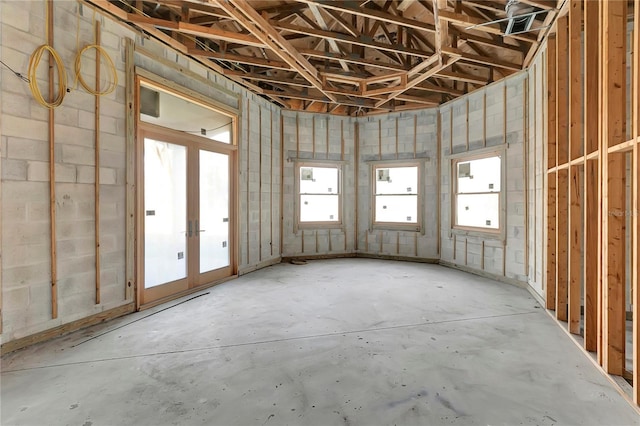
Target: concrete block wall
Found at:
26, 278
399, 136
491, 117
325, 138
259, 183
537, 166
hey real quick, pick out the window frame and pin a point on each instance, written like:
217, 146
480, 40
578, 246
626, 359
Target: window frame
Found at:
466, 157
299, 224
416, 226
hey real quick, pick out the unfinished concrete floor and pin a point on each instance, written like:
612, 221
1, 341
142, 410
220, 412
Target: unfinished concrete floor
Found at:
350, 341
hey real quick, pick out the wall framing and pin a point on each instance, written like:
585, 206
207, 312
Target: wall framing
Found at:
587, 170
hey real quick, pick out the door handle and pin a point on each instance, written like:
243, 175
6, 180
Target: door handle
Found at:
198, 230
190, 229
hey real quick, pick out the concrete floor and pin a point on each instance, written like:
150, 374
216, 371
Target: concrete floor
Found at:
349, 341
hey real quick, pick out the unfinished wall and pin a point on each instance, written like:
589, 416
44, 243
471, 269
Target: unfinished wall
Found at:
329, 139
489, 119
536, 169
395, 137
26, 278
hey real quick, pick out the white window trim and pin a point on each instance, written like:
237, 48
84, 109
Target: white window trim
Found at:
298, 224
475, 230
397, 226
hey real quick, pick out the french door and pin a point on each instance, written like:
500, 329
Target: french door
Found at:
186, 208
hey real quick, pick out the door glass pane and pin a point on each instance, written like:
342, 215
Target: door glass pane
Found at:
165, 212
214, 211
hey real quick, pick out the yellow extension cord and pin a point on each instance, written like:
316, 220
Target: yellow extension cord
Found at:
78, 68
34, 62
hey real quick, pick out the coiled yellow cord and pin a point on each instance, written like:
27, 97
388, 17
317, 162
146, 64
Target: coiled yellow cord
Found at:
34, 62
78, 68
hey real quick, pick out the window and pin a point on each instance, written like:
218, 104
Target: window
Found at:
477, 200
396, 194
319, 189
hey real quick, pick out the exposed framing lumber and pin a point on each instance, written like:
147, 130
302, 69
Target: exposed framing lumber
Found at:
614, 19
354, 9
562, 144
479, 59
467, 21
575, 181
197, 30
591, 199
345, 38
96, 205
52, 169
260, 28
635, 205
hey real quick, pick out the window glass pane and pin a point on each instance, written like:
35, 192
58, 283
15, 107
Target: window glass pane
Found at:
167, 110
396, 180
318, 180
319, 208
479, 175
478, 210
397, 208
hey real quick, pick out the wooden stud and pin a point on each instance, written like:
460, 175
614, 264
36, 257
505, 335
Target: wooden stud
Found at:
562, 156
379, 139
467, 124
247, 179
280, 213
614, 19
271, 179
484, 118
591, 201
260, 183
52, 170
415, 136
96, 204
575, 149
396, 138
356, 170
562, 258
635, 205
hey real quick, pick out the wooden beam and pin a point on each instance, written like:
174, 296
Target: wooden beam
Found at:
346, 38
468, 21
197, 30
485, 60
351, 58
315, 11
552, 179
354, 8
463, 77
635, 205
614, 24
420, 78
268, 79
575, 181
591, 183
248, 60
562, 142
261, 29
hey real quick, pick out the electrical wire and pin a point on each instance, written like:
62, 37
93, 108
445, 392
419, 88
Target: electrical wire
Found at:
16, 73
34, 63
114, 74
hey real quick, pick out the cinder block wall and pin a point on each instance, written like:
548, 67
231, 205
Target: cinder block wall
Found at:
537, 166
491, 117
26, 279
399, 136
